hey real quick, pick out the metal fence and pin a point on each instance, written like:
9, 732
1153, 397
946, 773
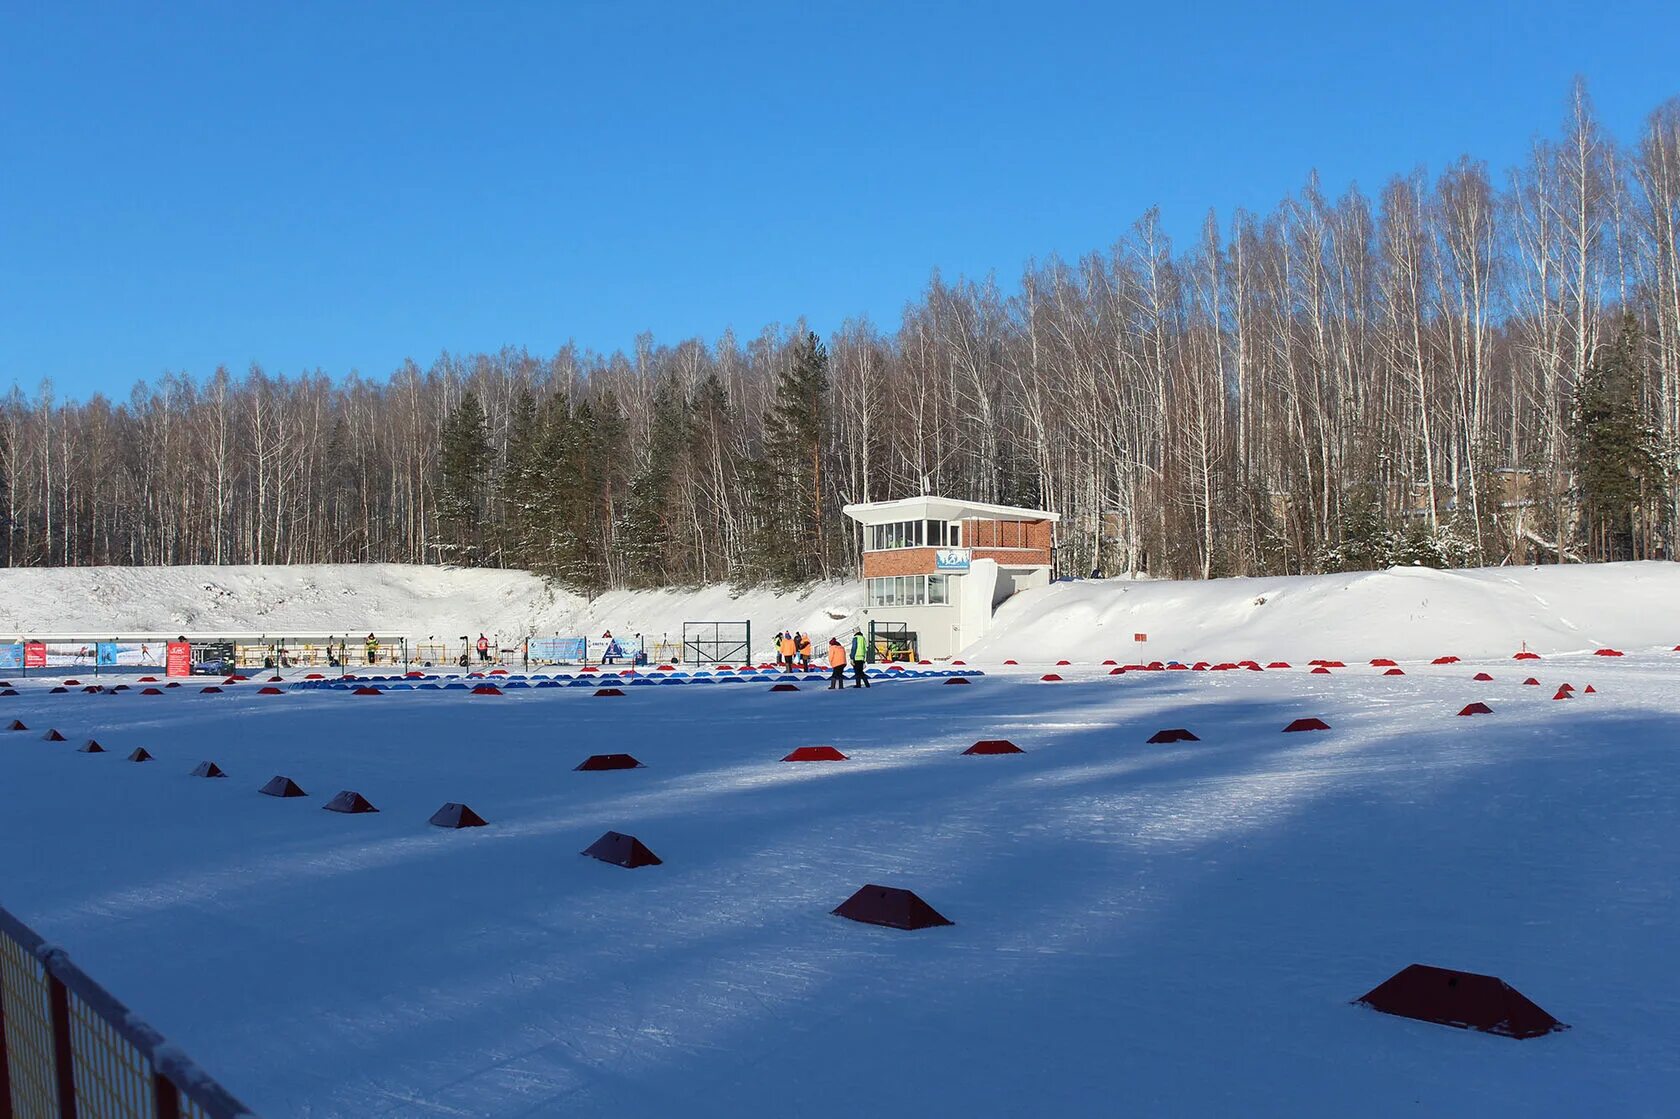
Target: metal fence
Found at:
69, 1050
716, 642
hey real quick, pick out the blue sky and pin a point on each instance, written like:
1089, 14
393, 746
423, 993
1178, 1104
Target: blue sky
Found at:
343, 186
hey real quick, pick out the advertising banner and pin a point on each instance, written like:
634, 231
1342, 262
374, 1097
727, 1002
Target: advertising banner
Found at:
951, 559
34, 654
179, 659
557, 650
11, 656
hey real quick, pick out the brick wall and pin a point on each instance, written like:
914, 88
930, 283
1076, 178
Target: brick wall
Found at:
899, 561
920, 561
1023, 541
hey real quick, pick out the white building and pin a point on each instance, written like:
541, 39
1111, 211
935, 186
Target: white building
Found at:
936, 567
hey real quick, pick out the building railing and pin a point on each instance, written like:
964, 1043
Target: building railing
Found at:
69, 1050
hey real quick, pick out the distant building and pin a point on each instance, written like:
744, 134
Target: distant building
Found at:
936, 567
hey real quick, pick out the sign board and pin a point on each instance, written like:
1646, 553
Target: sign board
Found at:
952, 559
106, 652
35, 654
1140, 637
11, 656
178, 659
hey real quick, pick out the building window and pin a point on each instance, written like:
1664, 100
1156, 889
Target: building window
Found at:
909, 590
912, 534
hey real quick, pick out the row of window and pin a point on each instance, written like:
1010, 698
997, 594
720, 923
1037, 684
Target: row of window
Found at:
912, 534
908, 590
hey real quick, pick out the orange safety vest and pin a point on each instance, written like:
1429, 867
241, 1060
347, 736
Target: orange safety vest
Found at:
836, 654
804, 646
787, 646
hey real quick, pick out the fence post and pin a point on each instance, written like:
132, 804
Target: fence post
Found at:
166, 1097
5, 1062
64, 1062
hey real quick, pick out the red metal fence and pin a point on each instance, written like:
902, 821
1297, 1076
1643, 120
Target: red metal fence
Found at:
68, 1050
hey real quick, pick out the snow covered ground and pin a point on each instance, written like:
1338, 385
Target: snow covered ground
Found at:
1156, 929
1412, 612
1406, 612
1138, 929
396, 599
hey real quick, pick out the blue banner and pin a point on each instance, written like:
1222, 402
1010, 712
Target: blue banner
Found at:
558, 650
105, 652
11, 656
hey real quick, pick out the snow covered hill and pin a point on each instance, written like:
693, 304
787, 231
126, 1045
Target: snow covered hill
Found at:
1407, 613
400, 599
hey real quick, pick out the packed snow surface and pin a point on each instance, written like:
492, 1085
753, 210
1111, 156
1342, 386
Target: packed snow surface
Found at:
1170, 929
1143, 929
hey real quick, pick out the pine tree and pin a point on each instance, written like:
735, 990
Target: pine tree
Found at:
464, 459
519, 490
644, 528
791, 541
1618, 453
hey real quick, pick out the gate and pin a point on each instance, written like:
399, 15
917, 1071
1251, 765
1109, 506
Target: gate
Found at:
892, 641
717, 642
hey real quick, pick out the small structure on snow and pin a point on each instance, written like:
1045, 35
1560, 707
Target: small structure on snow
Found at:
891, 908
1460, 998
622, 850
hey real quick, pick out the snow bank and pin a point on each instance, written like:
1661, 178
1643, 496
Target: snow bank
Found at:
1405, 613
398, 599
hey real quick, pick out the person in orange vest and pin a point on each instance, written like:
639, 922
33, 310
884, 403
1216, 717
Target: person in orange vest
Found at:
789, 647
805, 652
483, 648
836, 664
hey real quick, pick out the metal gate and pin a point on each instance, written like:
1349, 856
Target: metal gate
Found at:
892, 641
717, 642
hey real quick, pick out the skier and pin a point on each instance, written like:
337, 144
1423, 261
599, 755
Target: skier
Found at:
836, 664
483, 649
805, 652
860, 655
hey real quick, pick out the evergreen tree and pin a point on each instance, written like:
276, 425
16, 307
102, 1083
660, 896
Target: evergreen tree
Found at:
520, 488
464, 461
1365, 542
644, 528
1618, 454
791, 538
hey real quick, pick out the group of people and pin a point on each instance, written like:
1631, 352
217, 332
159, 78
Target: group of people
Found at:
793, 650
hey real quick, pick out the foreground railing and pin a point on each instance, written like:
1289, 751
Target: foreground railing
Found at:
68, 1050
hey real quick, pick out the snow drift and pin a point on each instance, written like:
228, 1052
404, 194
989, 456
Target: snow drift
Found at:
1405, 613
1410, 613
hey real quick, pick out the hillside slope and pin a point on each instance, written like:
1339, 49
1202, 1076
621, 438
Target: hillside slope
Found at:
1408, 613
1405, 613
397, 599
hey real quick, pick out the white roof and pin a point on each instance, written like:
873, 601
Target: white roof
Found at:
928, 508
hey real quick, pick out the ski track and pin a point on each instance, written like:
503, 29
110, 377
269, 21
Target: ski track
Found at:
1177, 927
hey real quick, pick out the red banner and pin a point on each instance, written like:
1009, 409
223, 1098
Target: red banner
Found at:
178, 661
34, 654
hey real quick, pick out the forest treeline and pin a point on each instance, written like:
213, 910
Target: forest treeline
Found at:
1464, 368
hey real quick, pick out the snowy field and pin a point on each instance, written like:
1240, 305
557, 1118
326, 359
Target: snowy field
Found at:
1161, 930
